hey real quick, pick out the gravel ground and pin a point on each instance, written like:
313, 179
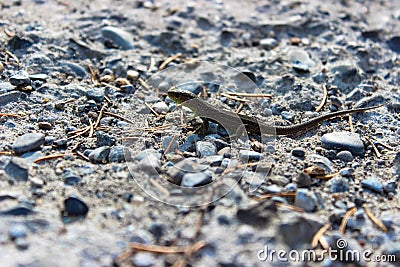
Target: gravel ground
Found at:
98, 167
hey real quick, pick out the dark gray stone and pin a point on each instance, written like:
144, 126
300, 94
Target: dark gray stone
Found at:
306, 199
345, 156
119, 154
347, 172
20, 78
372, 184
28, 142
181, 168
166, 142
346, 77
71, 178
196, 179
75, 206
9, 97
303, 180
17, 169
343, 141
299, 152
97, 94
100, 154
248, 155
338, 184
105, 139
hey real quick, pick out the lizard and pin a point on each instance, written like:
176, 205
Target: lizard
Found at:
234, 122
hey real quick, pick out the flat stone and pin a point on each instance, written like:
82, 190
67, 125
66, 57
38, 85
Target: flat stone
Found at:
196, 179
298, 152
20, 78
100, 154
9, 97
248, 155
306, 199
204, 148
118, 36
166, 142
372, 184
96, 94
150, 164
160, 107
28, 142
75, 206
17, 169
105, 139
301, 61
20, 210
303, 180
343, 141
177, 171
345, 156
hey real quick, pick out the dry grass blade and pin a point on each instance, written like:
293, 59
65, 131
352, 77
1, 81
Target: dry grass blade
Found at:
319, 234
250, 95
270, 195
159, 249
118, 117
383, 144
351, 124
326, 176
91, 131
169, 60
288, 206
346, 217
9, 115
144, 84
6, 153
240, 107
377, 153
152, 110
9, 54
375, 220
152, 64
234, 97
51, 157
323, 100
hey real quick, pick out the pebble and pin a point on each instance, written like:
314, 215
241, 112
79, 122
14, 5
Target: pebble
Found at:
160, 107
204, 149
268, 43
75, 206
61, 142
166, 142
196, 179
299, 152
39, 76
278, 180
290, 187
150, 164
132, 75
76, 68
97, 94
45, 125
143, 259
147, 152
36, 182
346, 172
17, 211
189, 144
17, 169
248, 155
338, 184
118, 36
17, 231
70, 178
119, 154
300, 60
345, 156
20, 78
21, 243
394, 43
390, 187
28, 142
257, 215
303, 180
105, 139
343, 141
306, 199
286, 115
181, 168
100, 154
372, 184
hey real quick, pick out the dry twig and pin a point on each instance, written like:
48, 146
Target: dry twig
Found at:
318, 236
377, 153
346, 217
375, 220
323, 100
169, 60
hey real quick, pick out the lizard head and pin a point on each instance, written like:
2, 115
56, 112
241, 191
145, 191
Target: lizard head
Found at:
180, 96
